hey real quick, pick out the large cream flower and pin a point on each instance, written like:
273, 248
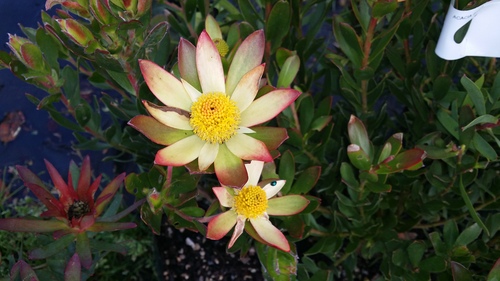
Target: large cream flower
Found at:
254, 204
211, 117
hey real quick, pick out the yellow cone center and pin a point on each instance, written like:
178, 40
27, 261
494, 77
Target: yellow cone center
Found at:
222, 46
214, 117
250, 202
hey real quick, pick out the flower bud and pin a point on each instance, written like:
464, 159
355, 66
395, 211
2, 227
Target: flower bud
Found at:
28, 53
15, 43
154, 200
76, 31
100, 12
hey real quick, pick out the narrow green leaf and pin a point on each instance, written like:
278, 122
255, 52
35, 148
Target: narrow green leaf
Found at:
483, 147
278, 23
483, 119
52, 248
474, 215
475, 95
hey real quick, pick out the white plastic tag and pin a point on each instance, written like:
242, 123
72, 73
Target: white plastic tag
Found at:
482, 38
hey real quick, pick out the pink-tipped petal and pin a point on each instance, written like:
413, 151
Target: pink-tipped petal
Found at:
31, 225
168, 117
209, 65
254, 170
269, 233
67, 195
248, 56
273, 188
220, 225
225, 198
248, 148
247, 88
238, 230
84, 180
268, 106
91, 191
187, 63
193, 93
110, 189
207, 155
28, 176
73, 270
164, 85
229, 169
286, 205
181, 152
156, 131
54, 207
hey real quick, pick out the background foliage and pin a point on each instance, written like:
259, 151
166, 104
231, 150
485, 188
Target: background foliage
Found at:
396, 148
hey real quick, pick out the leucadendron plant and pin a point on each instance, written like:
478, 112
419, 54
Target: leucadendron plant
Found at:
326, 136
73, 218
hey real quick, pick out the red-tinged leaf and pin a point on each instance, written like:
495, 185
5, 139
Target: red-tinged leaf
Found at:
27, 273
83, 249
494, 272
73, 269
156, 131
84, 180
109, 190
359, 158
67, 195
402, 161
358, 134
52, 248
272, 137
123, 213
32, 56
89, 197
31, 225
111, 226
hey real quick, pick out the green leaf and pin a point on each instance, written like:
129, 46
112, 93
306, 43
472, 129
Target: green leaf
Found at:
123, 81
433, 264
279, 265
52, 248
288, 71
306, 181
348, 177
287, 170
468, 235
383, 8
83, 249
459, 272
249, 13
450, 124
416, 251
483, 147
358, 157
475, 95
471, 232
83, 113
483, 119
277, 25
348, 40
494, 274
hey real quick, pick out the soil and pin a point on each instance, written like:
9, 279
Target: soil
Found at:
186, 255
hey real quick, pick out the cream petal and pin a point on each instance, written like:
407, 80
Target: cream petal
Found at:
238, 230
164, 85
267, 107
247, 88
207, 156
273, 187
269, 233
248, 148
192, 92
220, 225
181, 152
168, 117
225, 198
209, 65
254, 170
286, 205
248, 56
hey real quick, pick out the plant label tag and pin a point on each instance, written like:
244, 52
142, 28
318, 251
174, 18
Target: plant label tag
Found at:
480, 38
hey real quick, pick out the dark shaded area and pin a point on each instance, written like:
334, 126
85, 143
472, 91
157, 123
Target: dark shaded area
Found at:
186, 255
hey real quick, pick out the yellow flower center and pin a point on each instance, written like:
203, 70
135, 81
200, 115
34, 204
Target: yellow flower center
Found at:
250, 202
214, 117
222, 46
